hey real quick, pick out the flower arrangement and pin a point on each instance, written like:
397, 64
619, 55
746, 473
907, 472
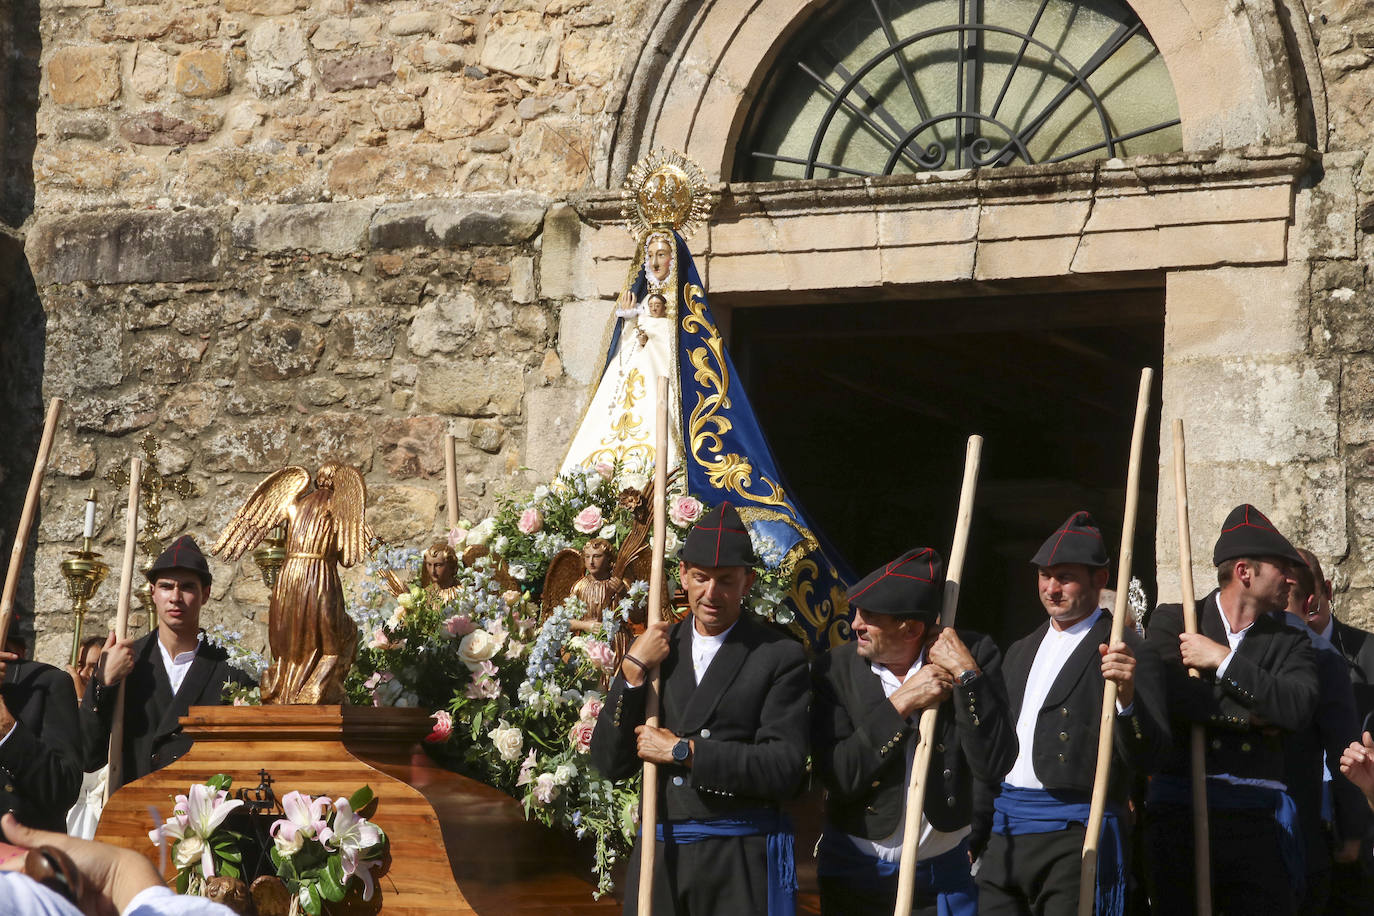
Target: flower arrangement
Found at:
322, 849
201, 846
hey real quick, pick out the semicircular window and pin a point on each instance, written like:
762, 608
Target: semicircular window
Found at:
884, 87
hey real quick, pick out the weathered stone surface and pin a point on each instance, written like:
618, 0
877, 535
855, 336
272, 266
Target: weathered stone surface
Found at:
128, 247
487, 436
263, 445
522, 287
74, 459
115, 414
413, 446
443, 325
399, 514
236, 175
276, 56
452, 110
202, 74
398, 112
414, 22
436, 56
92, 127
154, 128
504, 219
279, 348
520, 52
356, 71
265, 7
332, 436
405, 172
562, 232
471, 389
148, 77
581, 329
84, 77
553, 414
334, 228
366, 333
192, 407
132, 25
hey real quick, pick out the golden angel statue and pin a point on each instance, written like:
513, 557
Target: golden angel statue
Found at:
312, 639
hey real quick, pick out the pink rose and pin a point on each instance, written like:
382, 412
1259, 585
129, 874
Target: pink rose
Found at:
457, 537
590, 709
443, 727
459, 625
545, 790
684, 511
526, 770
605, 469
588, 521
601, 653
530, 521
581, 736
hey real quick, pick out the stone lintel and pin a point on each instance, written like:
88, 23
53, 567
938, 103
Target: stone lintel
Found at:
159, 246
496, 219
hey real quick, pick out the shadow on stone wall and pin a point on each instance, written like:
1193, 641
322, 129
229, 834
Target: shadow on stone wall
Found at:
23, 340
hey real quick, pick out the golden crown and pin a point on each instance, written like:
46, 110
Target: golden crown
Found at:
665, 190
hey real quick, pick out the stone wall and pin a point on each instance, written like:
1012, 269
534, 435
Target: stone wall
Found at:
274, 231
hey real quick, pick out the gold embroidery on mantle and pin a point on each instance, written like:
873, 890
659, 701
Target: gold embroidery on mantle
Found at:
828, 616
706, 425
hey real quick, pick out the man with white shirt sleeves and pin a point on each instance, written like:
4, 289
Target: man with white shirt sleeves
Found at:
168, 671
869, 698
733, 741
1258, 683
1055, 679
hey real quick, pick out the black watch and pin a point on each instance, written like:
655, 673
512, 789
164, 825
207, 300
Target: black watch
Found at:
967, 677
682, 750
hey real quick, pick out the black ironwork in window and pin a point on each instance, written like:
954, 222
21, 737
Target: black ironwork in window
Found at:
879, 87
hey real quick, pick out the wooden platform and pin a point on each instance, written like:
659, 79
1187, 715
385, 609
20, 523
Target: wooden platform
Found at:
457, 846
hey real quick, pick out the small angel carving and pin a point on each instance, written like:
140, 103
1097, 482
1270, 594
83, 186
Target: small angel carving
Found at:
312, 639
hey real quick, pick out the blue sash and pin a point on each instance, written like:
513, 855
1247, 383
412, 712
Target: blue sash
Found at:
1175, 790
776, 826
1020, 811
946, 875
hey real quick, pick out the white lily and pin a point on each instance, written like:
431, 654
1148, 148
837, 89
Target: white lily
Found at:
352, 835
206, 809
304, 819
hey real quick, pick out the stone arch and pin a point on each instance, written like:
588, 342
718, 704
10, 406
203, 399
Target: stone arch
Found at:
1238, 72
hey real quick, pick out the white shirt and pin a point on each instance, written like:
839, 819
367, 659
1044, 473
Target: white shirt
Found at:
931, 842
20, 895
704, 649
177, 667
1054, 651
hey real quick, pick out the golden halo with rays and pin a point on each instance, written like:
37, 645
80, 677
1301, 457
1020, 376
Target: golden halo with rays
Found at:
665, 190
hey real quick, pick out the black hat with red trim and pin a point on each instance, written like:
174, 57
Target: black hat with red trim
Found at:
913, 585
1247, 533
719, 538
1078, 540
183, 554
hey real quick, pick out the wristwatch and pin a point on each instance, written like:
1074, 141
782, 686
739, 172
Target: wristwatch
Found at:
967, 676
682, 750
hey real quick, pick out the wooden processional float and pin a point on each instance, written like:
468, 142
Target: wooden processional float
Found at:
455, 846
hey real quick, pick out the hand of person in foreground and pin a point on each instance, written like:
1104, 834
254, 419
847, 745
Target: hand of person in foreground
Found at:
113, 876
1357, 765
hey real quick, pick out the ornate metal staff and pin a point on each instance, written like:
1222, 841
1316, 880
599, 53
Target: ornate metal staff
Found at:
21, 534
916, 789
648, 818
126, 576
1087, 879
1202, 853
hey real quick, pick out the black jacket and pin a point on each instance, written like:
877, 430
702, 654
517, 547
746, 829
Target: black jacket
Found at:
1067, 726
40, 762
152, 736
1358, 648
860, 743
1270, 687
747, 720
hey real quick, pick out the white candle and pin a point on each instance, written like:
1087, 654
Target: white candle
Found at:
90, 517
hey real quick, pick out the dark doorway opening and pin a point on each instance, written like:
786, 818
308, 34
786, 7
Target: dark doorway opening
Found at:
868, 407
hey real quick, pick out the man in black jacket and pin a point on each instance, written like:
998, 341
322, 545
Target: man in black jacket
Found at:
168, 671
40, 743
1055, 681
1258, 687
869, 697
732, 742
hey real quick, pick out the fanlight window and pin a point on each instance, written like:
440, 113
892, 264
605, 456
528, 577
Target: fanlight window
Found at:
882, 87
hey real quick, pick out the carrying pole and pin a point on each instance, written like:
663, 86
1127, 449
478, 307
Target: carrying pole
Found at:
126, 581
21, 534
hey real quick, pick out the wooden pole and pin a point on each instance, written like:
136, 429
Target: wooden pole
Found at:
1202, 852
648, 807
451, 476
21, 534
126, 577
916, 789
1087, 880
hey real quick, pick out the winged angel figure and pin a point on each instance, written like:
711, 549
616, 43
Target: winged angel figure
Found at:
312, 639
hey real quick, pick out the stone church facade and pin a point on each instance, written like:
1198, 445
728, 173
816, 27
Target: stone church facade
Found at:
271, 231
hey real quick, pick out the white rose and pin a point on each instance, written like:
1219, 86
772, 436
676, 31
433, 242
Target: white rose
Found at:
508, 741
517, 571
188, 851
631, 479
608, 532
563, 774
670, 541
482, 531
477, 647
541, 491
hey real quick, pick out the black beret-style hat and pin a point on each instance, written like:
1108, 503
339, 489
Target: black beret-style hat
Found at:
1247, 533
719, 538
1078, 540
912, 585
183, 554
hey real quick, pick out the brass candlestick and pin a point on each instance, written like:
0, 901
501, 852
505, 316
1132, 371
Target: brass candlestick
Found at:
84, 572
271, 556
